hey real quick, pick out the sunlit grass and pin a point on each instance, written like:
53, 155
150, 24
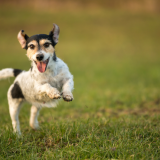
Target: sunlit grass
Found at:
114, 57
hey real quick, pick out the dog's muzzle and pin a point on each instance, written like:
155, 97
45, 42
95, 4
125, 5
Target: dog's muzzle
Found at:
39, 57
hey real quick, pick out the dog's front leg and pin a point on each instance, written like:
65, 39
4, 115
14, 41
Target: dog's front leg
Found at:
66, 90
52, 92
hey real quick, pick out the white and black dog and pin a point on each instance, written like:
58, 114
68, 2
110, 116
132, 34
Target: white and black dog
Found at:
46, 81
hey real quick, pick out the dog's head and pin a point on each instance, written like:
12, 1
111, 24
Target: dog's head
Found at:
40, 47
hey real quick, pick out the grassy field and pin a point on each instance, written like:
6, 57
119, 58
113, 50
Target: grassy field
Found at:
114, 57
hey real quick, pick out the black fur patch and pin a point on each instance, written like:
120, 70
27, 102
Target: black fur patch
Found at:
16, 72
38, 37
54, 57
51, 35
16, 91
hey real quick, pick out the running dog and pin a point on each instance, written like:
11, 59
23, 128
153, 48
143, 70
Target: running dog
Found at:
44, 84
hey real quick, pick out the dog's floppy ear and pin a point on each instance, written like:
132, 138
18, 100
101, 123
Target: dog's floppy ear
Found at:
22, 38
54, 33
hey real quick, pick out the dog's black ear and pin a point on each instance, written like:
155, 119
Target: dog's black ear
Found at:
22, 38
54, 33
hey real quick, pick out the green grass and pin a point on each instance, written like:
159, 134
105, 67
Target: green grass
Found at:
114, 57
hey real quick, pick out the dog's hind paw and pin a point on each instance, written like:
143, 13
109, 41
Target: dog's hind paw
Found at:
54, 94
35, 126
67, 96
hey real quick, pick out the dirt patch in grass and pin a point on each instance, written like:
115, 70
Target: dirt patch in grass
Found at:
148, 108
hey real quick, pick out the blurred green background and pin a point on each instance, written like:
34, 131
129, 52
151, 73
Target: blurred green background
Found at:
113, 50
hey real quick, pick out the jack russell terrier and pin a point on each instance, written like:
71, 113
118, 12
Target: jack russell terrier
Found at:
44, 84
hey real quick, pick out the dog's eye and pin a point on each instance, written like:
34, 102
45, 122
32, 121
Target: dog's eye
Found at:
46, 45
32, 46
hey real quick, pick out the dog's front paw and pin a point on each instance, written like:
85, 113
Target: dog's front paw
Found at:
67, 96
54, 94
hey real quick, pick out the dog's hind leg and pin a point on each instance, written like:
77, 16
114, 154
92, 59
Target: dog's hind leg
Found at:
14, 108
34, 117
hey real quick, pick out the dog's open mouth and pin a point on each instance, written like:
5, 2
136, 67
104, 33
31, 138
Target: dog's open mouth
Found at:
42, 66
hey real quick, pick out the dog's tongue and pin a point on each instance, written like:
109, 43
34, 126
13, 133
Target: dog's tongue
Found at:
41, 66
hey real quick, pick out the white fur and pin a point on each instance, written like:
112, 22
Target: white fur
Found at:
39, 89
5, 73
46, 55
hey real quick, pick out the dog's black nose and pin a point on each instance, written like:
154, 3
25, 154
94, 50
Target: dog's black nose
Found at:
39, 57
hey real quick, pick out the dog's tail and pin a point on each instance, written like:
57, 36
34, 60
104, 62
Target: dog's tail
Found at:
9, 72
